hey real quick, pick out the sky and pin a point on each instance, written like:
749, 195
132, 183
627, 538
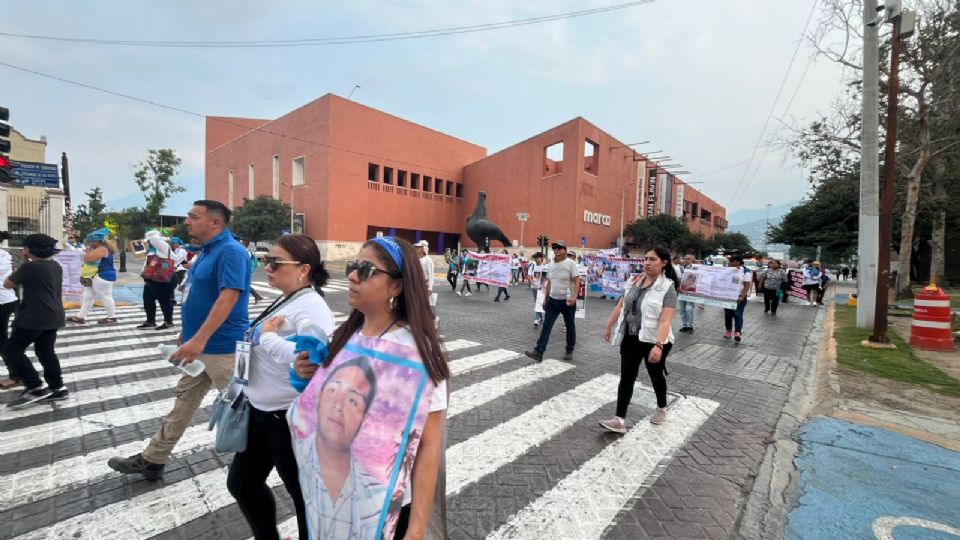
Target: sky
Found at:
697, 78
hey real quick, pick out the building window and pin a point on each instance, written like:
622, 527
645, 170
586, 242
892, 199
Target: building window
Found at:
414, 181
373, 172
388, 175
276, 176
250, 187
449, 189
298, 173
428, 183
553, 159
230, 189
439, 186
401, 178
459, 190
591, 155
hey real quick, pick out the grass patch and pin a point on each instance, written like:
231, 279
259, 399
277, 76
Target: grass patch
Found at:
896, 364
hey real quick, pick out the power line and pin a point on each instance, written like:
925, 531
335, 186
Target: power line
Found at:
773, 107
342, 40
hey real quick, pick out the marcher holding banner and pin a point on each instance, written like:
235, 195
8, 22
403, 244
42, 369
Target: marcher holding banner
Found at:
642, 318
536, 275
492, 269
733, 318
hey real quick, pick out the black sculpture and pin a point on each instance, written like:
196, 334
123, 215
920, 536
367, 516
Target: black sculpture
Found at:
481, 230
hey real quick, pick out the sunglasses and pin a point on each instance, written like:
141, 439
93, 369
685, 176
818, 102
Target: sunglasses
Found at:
365, 270
273, 263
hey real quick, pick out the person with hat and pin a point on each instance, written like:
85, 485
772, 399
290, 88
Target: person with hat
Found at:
38, 317
179, 256
563, 278
71, 242
157, 292
99, 252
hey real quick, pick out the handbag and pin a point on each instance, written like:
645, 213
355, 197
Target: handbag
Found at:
231, 416
88, 271
158, 269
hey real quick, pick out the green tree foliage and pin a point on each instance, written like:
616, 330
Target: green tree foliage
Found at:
156, 178
262, 218
89, 216
131, 223
733, 242
660, 230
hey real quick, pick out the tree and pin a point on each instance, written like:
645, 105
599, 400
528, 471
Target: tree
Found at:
89, 216
660, 230
156, 178
735, 241
262, 218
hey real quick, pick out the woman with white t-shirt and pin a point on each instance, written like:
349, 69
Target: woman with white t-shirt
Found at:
8, 305
295, 268
390, 307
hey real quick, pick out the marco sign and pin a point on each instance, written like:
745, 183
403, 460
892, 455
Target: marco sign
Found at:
596, 218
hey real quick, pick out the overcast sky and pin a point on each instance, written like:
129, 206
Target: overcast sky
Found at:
696, 77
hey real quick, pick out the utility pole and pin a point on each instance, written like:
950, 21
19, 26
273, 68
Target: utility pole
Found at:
869, 226
765, 229
896, 16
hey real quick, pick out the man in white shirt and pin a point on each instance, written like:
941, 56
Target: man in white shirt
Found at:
422, 249
560, 291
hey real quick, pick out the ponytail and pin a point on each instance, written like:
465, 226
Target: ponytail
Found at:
668, 269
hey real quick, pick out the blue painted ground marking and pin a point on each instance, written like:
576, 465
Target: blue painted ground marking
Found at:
851, 476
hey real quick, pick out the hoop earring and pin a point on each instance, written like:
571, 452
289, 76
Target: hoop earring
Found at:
393, 303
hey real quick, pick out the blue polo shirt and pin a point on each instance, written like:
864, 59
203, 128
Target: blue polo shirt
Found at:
222, 264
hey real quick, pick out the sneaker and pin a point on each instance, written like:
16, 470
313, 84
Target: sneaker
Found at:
614, 424
469, 293
164, 326
60, 394
728, 334
459, 293
146, 325
536, 324
135, 464
537, 357
568, 356
507, 298
736, 337
497, 299
659, 417
28, 397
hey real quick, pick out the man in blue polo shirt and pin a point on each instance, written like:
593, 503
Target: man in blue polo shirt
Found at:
214, 317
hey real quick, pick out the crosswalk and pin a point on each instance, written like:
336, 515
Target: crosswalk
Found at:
120, 388
334, 285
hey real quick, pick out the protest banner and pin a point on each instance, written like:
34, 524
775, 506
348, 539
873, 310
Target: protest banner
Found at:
492, 268
71, 261
712, 285
796, 286
582, 295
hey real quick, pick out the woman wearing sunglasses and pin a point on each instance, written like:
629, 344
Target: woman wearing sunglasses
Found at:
295, 268
390, 308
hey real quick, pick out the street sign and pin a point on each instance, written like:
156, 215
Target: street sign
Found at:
285, 232
583, 241
522, 216
28, 173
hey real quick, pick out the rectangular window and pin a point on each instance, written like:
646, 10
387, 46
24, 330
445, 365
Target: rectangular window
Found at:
428, 183
230, 189
373, 172
449, 191
298, 172
459, 190
276, 176
439, 189
414, 181
591, 153
401, 178
387, 175
553, 159
250, 187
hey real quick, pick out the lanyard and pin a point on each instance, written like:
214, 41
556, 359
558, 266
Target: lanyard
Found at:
387, 329
275, 306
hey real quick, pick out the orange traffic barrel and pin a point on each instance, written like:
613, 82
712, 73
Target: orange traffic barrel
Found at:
931, 320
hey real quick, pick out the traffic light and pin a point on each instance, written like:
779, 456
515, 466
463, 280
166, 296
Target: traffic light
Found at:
6, 168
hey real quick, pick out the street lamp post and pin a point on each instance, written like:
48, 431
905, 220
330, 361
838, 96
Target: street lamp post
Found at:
522, 217
766, 228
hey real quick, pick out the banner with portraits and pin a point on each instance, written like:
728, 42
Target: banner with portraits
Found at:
712, 285
71, 262
355, 433
796, 290
607, 274
492, 268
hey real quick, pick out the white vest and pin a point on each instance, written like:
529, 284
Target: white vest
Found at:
650, 309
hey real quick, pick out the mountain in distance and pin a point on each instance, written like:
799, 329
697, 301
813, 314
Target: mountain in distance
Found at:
752, 222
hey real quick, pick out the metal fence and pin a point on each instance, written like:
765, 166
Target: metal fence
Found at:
27, 215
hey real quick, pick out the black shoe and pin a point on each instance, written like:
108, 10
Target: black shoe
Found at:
568, 356
164, 326
136, 465
497, 299
146, 325
60, 394
28, 397
507, 298
537, 357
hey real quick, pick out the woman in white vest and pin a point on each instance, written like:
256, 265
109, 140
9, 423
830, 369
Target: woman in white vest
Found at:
642, 318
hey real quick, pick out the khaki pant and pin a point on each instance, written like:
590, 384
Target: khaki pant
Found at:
190, 392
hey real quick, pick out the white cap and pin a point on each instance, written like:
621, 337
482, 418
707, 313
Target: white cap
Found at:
422, 243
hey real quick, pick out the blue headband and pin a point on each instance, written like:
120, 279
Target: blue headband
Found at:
390, 245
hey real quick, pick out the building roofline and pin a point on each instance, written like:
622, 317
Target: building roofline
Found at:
28, 139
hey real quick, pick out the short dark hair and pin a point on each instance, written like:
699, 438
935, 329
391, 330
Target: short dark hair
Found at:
215, 207
363, 364
738, 258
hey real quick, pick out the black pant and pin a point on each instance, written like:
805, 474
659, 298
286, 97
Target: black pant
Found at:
268, 446
770, 300
155, 292
452, 280
466, 284
503, 291
554, 309
14, 355
632, 352
6, 310
403, 522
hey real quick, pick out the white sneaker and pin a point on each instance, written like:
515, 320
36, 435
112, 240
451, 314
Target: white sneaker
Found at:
468, 294
459, 293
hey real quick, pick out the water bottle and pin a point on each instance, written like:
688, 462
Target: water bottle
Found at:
569, 293
310, 338
192, 369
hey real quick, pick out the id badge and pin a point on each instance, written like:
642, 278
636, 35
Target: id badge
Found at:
241, 363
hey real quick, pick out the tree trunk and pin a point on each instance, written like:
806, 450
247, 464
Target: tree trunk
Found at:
910, 209
937, 240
